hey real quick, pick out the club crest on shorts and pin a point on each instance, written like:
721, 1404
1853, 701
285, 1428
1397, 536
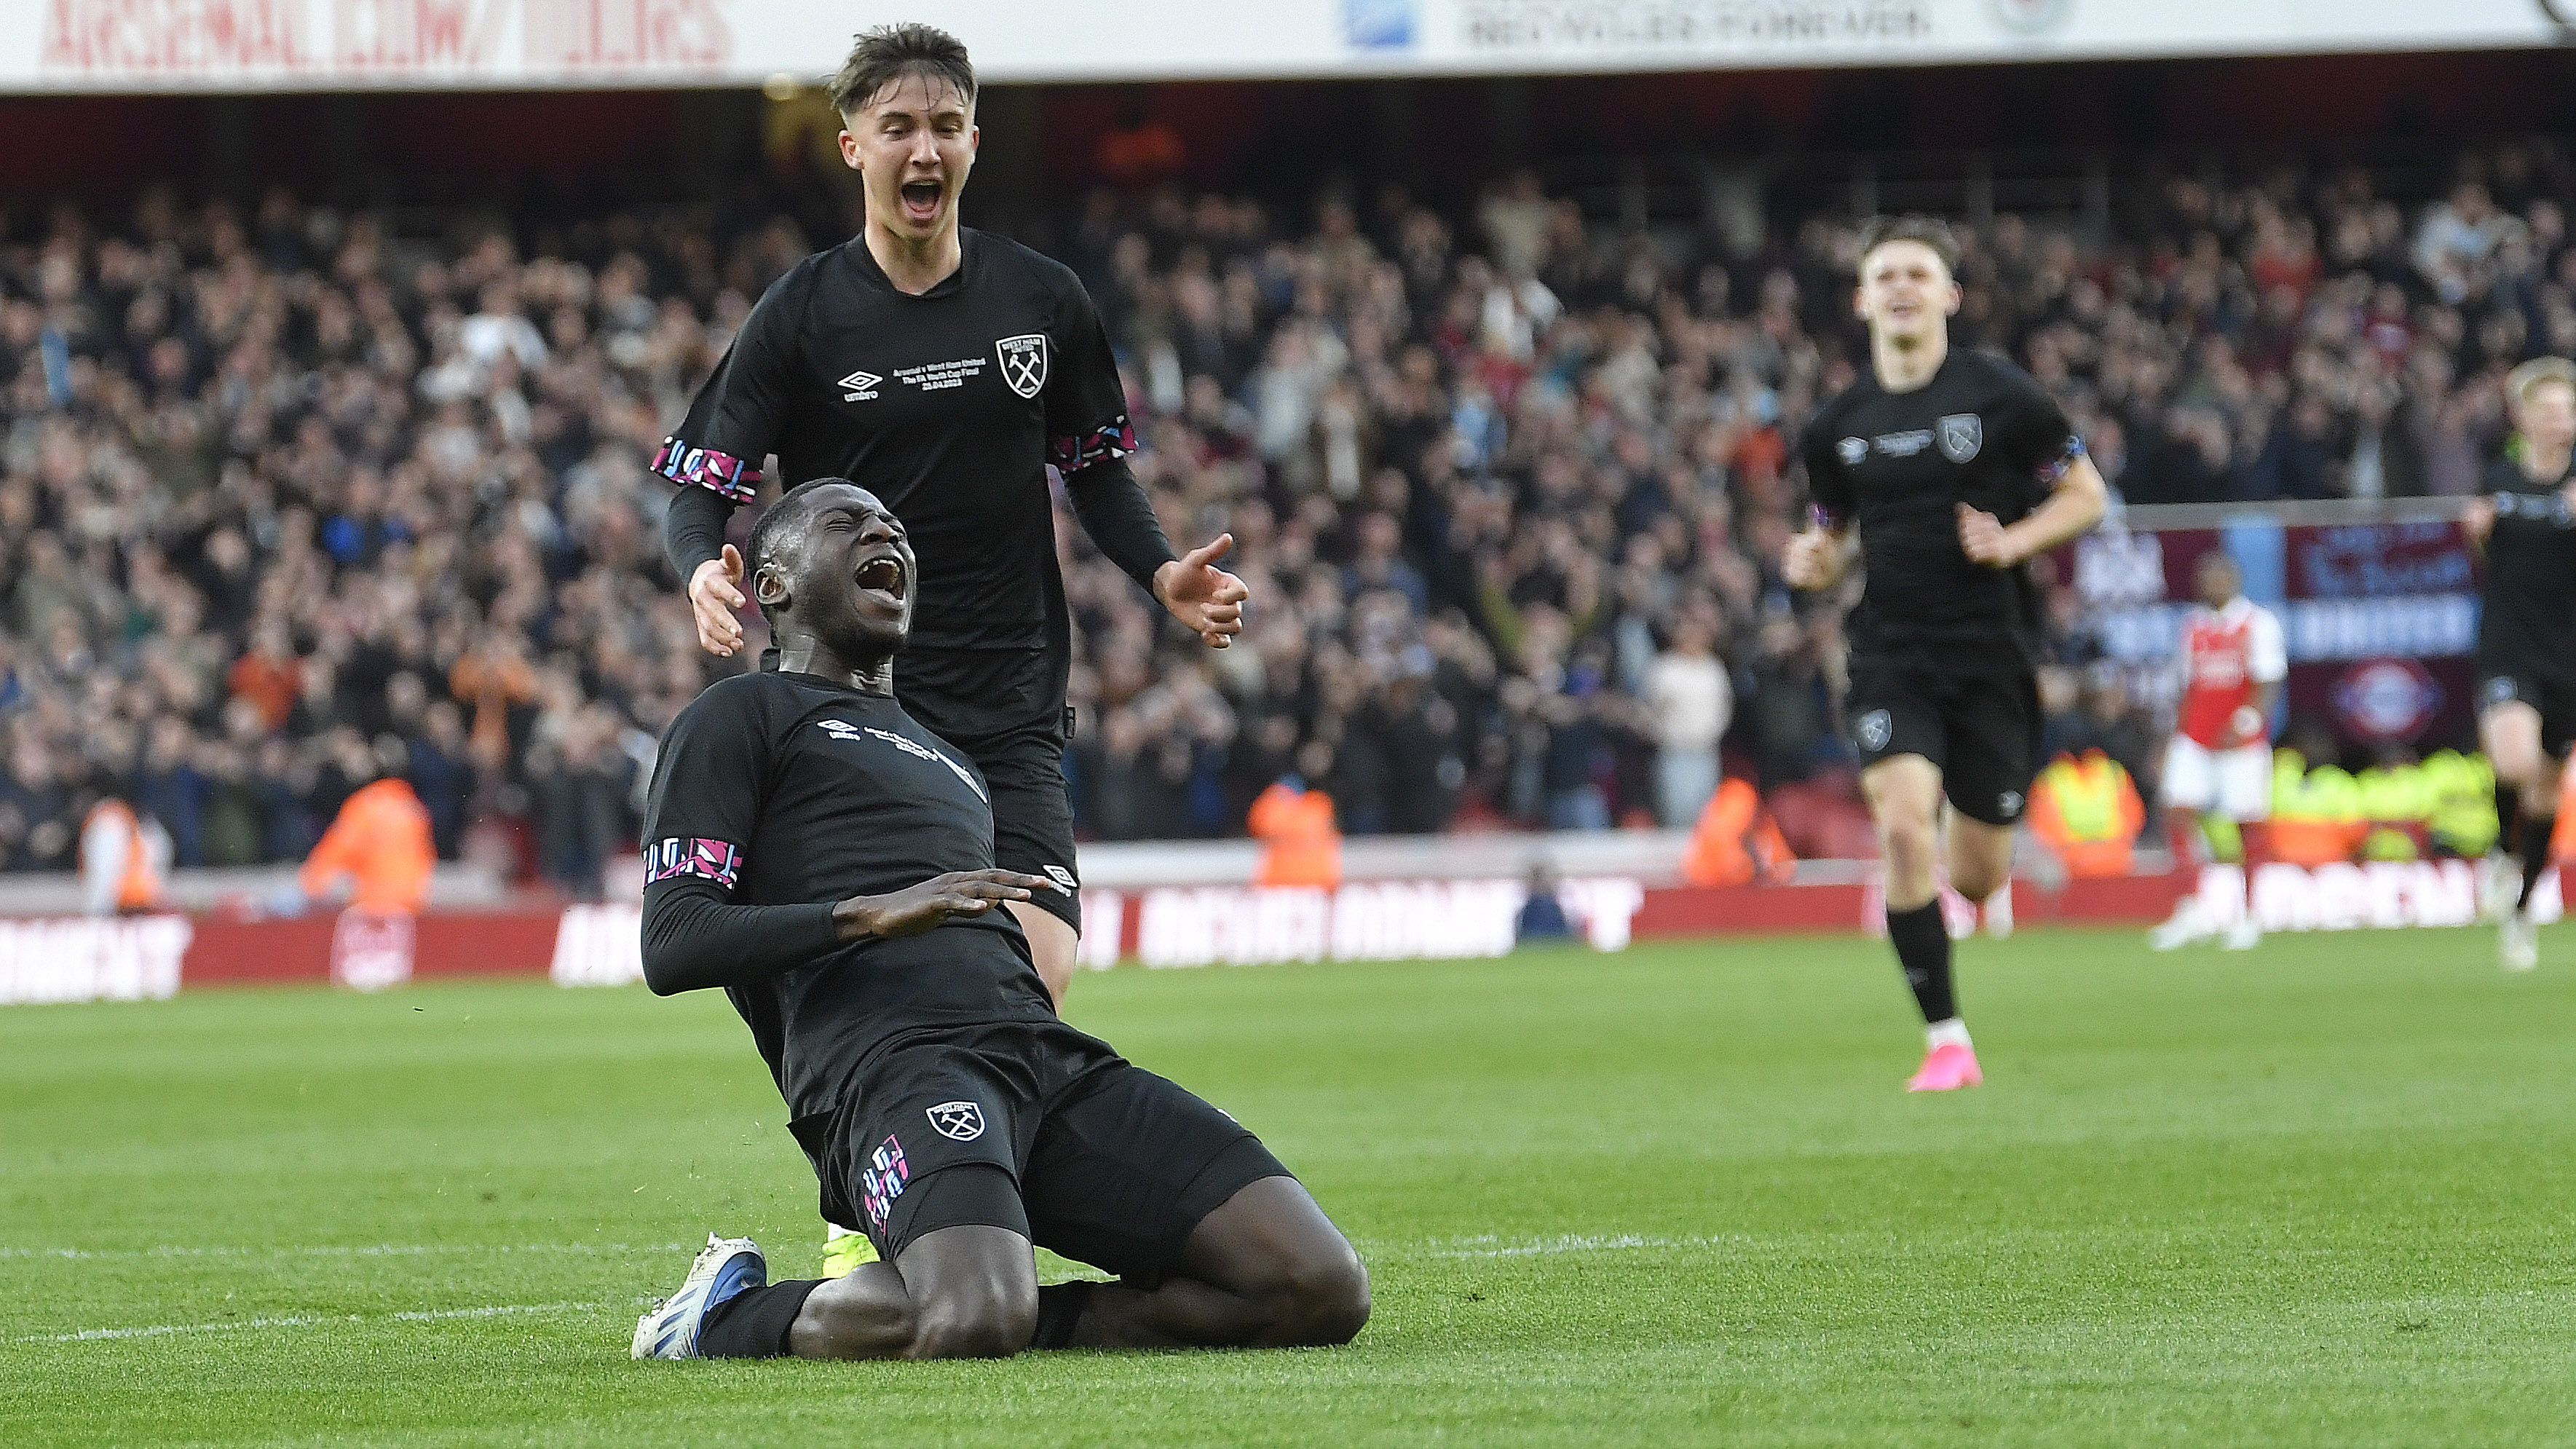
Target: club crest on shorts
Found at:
1873, 729
2008, 804
1852, 450
1024, 362
960, 1121
2502, 690
1960, 436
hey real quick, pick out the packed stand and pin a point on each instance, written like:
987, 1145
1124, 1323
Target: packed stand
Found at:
288, 501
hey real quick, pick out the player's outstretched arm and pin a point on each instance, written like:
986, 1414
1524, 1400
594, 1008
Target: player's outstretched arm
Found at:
2073, 507
695, 939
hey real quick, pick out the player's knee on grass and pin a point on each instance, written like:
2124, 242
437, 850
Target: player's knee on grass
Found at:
1271, 1244
961, 1292
974, 1291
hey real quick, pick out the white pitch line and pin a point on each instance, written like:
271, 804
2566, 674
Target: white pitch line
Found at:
1571, 1243
374, 1250
157, 1330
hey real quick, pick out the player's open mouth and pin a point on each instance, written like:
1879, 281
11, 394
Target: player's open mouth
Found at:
921, 198
883, 575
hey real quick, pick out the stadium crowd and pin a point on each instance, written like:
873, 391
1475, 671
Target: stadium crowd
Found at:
288, 500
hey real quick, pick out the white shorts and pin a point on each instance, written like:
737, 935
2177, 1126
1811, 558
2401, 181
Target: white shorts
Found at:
2236, 783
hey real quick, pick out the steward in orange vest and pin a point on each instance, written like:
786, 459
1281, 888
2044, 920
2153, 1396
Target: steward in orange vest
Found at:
2087, 810
1301, 845
1736, 842
380, 842
121, 858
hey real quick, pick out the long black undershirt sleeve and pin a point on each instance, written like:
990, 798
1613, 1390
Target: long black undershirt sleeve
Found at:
693, 531
695, 939
1119, 517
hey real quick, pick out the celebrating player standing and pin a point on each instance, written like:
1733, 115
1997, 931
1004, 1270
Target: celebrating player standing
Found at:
2220, 757
945, 369
2527, 630
1955, 469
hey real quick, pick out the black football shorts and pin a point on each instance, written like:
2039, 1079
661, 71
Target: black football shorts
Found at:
1005, 709
1981, 730
2508, 681
1114, 1165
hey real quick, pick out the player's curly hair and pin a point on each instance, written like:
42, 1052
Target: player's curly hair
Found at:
771, 529
888, 53
1930, 231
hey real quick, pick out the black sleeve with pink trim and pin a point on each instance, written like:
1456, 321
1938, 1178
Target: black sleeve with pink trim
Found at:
1086, 403
710, 785
734, 421
2035, 434
1087, 437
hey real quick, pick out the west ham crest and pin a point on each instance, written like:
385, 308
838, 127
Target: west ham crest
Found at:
962, 1121
1873, 729
1960, 436
1024, 362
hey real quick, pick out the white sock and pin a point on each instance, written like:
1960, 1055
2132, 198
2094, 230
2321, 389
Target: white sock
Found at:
1950, 1032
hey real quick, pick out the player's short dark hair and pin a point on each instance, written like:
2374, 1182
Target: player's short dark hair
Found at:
1930, 231
773, 527
888, 53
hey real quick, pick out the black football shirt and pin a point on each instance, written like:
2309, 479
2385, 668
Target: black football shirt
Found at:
2528, 622
1897, 465
948, 406
792, 789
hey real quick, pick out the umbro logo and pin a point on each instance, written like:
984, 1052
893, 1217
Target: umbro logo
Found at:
859, 386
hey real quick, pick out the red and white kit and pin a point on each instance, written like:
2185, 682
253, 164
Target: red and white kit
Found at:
2220, 756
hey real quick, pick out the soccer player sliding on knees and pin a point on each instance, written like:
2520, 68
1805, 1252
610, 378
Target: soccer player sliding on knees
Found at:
828, 863
1942, 473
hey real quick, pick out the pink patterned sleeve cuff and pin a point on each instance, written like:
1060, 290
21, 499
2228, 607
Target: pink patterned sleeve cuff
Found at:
722, 473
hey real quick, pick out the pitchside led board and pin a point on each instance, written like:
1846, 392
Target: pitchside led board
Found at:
2379, 618
185, 45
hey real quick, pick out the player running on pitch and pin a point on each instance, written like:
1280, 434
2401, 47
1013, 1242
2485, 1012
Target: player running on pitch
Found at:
946, 369
2220, 757
828, 862
1954, 468
2526, 657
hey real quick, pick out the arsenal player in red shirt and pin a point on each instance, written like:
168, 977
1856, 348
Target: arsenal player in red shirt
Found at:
2220, 758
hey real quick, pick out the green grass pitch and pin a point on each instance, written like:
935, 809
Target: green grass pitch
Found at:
2320, 1194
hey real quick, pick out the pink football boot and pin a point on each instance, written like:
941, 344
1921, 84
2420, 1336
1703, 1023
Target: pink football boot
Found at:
1946, 1068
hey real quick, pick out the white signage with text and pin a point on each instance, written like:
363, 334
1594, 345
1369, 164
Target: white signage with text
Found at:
182, 45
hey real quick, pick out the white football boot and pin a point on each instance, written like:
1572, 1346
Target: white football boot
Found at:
726, 1268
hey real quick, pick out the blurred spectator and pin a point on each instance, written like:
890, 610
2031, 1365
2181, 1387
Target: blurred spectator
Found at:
1687, 691
1542, 920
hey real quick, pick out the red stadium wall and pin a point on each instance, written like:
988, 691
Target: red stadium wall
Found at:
78, 959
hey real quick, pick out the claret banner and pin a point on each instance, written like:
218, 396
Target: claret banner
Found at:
195, 45
2379, 618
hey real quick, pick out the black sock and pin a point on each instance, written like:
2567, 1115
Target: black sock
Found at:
1922, 942
2508, 812
1059, 1308
754, 1322
2535, 832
